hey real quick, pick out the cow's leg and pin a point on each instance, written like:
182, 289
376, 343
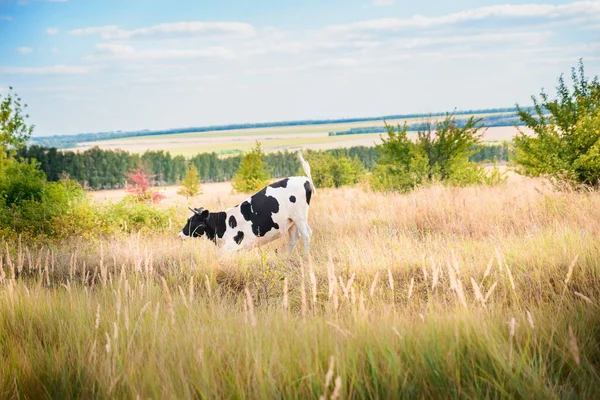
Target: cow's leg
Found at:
305, 232
294, 235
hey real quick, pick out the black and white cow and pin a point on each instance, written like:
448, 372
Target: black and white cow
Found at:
267, 215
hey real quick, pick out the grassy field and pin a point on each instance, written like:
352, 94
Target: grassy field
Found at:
274, 139
442, 293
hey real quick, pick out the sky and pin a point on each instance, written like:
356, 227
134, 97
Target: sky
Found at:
91, 66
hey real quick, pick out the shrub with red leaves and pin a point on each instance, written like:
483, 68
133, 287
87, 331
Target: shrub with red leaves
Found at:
139, 186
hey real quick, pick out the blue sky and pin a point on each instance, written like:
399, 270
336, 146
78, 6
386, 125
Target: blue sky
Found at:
88, 66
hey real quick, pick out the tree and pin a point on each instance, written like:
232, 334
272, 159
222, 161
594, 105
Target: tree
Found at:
191, 186
140, 187
252, 174
440, 152
14, 130
328, 170
564, 139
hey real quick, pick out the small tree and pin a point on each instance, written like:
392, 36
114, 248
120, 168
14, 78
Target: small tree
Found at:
191, 186
14, 130
330, 171
440, 153
564, 143
139, 187
252, 174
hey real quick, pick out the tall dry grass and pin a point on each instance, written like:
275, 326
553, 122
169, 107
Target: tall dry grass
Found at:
452, 293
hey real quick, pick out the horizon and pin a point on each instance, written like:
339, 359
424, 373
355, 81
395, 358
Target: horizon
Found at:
152, 65
457, 113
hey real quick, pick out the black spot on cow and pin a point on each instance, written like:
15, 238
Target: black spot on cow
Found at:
232, 222
280, 184
259, 210
239, 237
308, 191
293, 199
216, 224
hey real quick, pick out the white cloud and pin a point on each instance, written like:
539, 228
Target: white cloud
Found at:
24, 50
104, 31
124, 52
113, 48
52, 31
48, 70
383, 2
524, 38
6, 18
177, 29
571, 11
54, 50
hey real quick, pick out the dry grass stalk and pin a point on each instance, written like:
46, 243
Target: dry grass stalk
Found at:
510, 278
410, 288
10, 264
477, 291
97, 323
347, 286
344, 332
499, 258
337, 390
574, 346
250, 304
436, 277
328, 378
303, 292
585, 298
191, 290
183, 296
391, 278
313, 284
490, 291
374, 284
2, 274
488, 269
530, 320
107, 346
285, 294
329, 374
571, 267
207, 283
169, 300
331, 277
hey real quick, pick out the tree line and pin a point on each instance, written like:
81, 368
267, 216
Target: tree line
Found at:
107, 169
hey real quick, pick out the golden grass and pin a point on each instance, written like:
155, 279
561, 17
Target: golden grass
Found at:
442, 293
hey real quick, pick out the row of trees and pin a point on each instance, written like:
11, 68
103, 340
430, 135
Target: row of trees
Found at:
108, 169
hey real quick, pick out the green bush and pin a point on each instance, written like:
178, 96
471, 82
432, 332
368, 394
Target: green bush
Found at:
34, 208
329, 171
439, 153
129, 216
564, 143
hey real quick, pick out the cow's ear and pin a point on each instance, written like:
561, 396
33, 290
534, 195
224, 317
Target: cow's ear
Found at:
204, 214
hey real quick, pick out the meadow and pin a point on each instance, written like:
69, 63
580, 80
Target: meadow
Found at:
479, 292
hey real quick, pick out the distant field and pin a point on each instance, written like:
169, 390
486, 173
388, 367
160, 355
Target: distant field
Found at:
273, 139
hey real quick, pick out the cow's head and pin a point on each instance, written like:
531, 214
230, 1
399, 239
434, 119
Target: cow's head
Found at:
196, 224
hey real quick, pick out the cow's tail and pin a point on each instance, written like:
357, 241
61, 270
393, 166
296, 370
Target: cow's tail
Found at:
306, 169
